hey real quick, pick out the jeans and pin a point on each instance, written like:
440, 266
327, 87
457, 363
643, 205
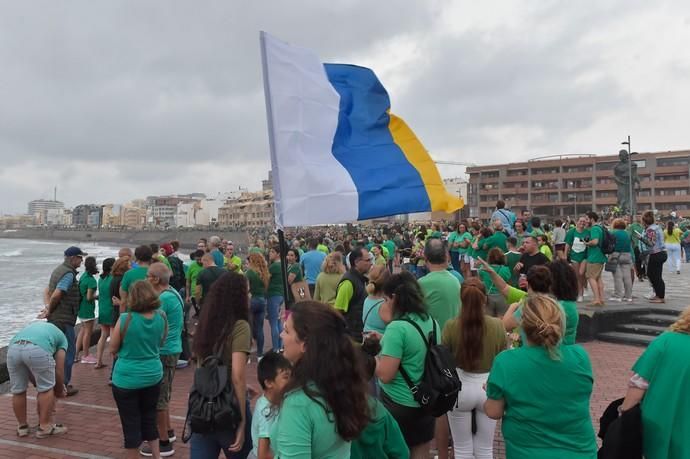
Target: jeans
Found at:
25, 361
673, 251
655, 268
274, 303
71, 352
137, 409
455, 260
208, 446
472, 397
686, 249
258, 309
622, 277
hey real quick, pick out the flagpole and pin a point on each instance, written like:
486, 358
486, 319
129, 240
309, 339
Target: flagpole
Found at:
282, 249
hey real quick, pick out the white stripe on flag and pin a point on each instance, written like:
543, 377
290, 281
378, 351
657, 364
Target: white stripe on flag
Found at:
311, 187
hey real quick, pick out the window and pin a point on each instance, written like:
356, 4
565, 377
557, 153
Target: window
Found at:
672, 192
570, 169
516, 172
665, 178
665, 162
577, 183
606, 194
608, 166
546, 170
490, 174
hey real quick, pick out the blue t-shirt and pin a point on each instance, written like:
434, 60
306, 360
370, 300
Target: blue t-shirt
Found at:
218, 258
44, 335
65, 282
263, 419
311, 264
370, 315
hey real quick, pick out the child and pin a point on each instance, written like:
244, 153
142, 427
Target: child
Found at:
382, 438
273, 373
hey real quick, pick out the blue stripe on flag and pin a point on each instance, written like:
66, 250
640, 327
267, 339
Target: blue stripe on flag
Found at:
386, 182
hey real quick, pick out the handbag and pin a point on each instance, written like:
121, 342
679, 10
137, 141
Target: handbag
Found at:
300, 291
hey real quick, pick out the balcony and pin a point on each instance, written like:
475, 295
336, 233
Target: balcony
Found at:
671, 184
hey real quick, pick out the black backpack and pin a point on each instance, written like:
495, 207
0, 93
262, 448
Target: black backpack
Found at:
608, 241
177, 280
212, 405
437, 392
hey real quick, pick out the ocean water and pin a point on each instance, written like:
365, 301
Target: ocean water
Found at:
25, 268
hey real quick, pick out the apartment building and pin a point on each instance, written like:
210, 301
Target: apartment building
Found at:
569, 185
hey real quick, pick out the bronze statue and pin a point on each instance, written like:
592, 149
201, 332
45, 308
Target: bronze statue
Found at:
623, 173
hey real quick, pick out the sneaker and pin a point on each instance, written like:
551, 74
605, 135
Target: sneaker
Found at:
54, 429
23, 431
651, 295
580, 299
90, 359
171, 436
615, 299
677, 272
627, 300
71, 390
166, 449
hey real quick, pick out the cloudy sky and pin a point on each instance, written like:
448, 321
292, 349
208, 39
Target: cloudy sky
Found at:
114, 100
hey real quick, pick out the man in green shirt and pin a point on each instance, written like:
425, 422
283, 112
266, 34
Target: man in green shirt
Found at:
191, 276
595, 260
498, 239
172, 305
144, 256
232, 261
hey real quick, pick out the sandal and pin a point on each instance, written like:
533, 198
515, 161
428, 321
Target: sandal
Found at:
658, 301
98, 366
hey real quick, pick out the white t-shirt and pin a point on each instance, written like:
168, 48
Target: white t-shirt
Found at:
262, 421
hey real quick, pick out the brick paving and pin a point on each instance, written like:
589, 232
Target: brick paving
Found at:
94, 426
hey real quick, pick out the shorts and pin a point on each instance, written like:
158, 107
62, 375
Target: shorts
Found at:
559, 247
594, 270
28, 361
464, 258
169, 364
496, 306
416, 426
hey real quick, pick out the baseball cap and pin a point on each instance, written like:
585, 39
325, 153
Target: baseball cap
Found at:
74, 251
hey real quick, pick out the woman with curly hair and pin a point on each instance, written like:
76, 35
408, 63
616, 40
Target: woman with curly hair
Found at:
325, 404
660, 381
328, 279
88, 287
258, 276
527, 386
224, 327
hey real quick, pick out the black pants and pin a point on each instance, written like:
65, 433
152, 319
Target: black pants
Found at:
639, 267
655, 267
137, 408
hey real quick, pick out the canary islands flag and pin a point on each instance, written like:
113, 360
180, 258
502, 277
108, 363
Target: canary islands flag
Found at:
337, 153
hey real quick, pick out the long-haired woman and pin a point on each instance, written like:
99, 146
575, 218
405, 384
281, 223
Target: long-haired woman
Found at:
88, 286
403, 346
328, 279
105, 309
576, 251
542, 389
475, 339
672, 238
656, 251
224, 324
258, 276
325, 403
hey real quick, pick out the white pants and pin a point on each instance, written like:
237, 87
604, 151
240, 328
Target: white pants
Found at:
472, 397
673, 251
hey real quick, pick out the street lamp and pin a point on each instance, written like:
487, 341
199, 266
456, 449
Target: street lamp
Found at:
630, 177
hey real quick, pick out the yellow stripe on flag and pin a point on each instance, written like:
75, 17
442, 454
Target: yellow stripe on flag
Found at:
417, 155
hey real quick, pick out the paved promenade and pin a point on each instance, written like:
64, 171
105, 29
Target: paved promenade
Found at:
94, 426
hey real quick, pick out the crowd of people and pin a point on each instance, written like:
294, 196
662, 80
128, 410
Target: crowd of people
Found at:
350, 335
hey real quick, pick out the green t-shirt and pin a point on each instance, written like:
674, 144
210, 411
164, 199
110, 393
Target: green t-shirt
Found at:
594, 253
498, 239
572, 318
173, 306
515, 295
493, 341
44, 335
381, 438
685, 235
453, 239
503, 272
390, 245
546, 402
256, 285
403, 341
87, 309
623, 244
480, 252
138, 363
303, 429
192, 274
665, 364
512, 259
466, 236
105, 301
133, 275
576, 240
442, 295
546, 250
275, 285
321, 248
235, 261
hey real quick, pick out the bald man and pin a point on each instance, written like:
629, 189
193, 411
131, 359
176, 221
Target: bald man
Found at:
206, 277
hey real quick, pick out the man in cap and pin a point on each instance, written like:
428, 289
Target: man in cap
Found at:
62, 298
